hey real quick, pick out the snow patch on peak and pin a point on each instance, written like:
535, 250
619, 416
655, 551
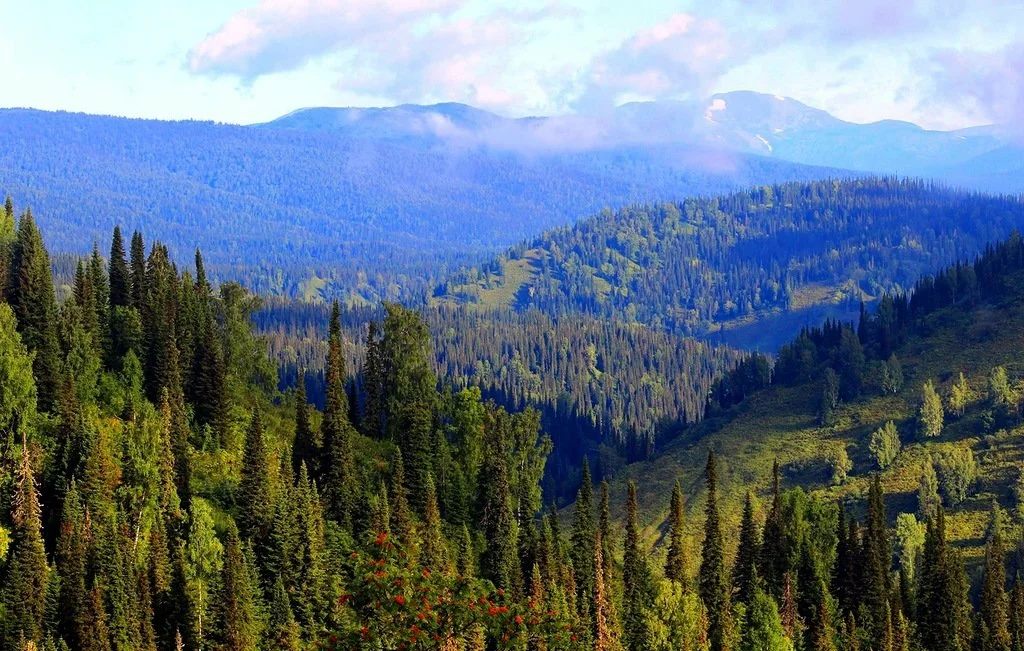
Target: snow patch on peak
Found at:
763, 140
780, 98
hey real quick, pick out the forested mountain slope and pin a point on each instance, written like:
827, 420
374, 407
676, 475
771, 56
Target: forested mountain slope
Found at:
362, 214
760, 262
925, 393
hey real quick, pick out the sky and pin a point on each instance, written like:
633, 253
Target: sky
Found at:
940, 63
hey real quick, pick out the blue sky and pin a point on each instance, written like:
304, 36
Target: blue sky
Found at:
940, 63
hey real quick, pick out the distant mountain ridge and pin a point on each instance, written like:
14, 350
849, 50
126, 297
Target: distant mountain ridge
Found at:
741, 121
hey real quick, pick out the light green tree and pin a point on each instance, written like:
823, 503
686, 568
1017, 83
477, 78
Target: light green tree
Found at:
909, 536
930, 413
957, 470
677, 621
960, 396
203, 562
885, 444
762, 630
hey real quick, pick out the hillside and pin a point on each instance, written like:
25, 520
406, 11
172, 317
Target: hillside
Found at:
750, 268
968, 326
359, 214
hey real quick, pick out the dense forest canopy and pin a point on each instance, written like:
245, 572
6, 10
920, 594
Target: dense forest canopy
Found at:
695, 266
328, 214
159, 492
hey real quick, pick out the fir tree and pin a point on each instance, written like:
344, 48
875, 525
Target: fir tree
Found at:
138, 271
239, 600
714, 589
255, 491
283, 630
638, 593
120, 275
35, 306
72, 553
340, 485
433, 550
24, 590
772, 565
675, 561
992, 629
1016, 615
745, 567
876, 565
304, 449
401, 515
584, 535
942, 593
500, 561
606, 636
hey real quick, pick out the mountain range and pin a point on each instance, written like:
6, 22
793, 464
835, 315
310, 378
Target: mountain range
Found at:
371, 204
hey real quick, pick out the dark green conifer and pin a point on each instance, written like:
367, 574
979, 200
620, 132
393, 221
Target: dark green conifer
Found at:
23, 593
34, 303
638, 593
433, 549
876, 565
304, 449
745, 567
138, 271
239, 599
584, 535
772, 566
500, 561
675, 561
401, 515
341, 487
255, 490
993, 625
120, 275
283, 630
713, 582
72, 554
1016, 615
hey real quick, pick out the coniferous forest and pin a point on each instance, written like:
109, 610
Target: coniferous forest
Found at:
159, 491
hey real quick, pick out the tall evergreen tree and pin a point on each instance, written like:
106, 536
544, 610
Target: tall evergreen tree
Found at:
500, 561
34, 303
584, 535
304, 449
744, 570
675, 561
876, 558
255, 491
713, 582
1016, 615
773, 564
638, 593
120, 275
239, 600
138, 271
992, 629
942, 620
401, 515
340, 485
606, 637
8, 232
433, 549
24, 590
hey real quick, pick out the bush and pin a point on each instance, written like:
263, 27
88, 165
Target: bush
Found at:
957, 471
885, 444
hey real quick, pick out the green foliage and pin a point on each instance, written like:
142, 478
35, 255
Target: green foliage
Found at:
960, 396
840, 463
885, 445
677, 621
203, 560
928, 500
957, 470
892, 375
930, 413
713, 581
676, 567
909, 538
762, 626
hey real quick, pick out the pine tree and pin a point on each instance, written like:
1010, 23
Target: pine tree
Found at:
675, 561
433, 550
584, 535
745, 567
606, 636
255, 491
340, 485
992, 630
138, 271
638, 594
239, 600
305, 448
876, 566
1016, 615
120, 275
24, 590
34, 303
401, 515
714, 589
772, 565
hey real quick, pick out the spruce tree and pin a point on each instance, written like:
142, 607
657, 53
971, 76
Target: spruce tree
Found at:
675, 561
24, 590
638, 593
500, 563
606, 634
239, 599
401, 515
745, 567
713, 583
8, 232
341, 487
138, 271
433, 549
584, 535
72, 553
992, 629
772, 565
304, 449
255, 490
373, 384
283, 631
1016, 615
34, 303
876, 566
942, 621
120, 275
207, 386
